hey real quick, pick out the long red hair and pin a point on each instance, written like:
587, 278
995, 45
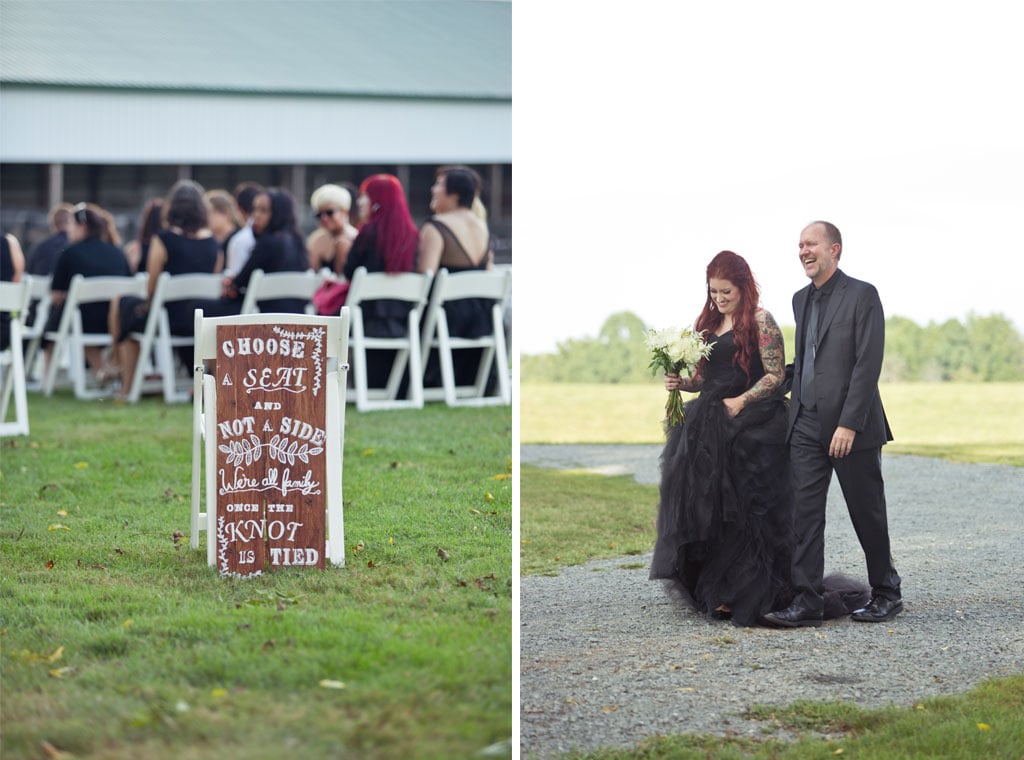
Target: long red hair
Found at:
734, 268
397, 236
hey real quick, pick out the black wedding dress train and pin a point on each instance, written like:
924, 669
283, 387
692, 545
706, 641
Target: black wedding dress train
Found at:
725, 522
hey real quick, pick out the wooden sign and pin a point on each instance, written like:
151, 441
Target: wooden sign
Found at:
271, 447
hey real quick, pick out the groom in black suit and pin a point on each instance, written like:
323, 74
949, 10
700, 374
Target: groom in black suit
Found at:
836, 423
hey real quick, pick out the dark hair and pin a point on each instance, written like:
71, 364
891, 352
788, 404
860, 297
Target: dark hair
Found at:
245, 194
462, 183
833, 234
186, 207
282, 210
152, 220
734, 268
98, 223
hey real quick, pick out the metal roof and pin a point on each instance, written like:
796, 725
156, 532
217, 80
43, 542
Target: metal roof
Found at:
457, 49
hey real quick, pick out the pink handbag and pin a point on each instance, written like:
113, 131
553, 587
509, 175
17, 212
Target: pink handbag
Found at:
330, 297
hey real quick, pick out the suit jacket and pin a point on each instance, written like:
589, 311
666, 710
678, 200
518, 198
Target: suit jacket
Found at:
847, 364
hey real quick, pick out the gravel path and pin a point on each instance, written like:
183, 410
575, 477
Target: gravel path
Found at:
606, 659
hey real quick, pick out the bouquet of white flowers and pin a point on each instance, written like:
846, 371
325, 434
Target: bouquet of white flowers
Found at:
675, 350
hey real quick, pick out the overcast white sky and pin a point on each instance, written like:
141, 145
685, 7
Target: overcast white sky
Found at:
648, 136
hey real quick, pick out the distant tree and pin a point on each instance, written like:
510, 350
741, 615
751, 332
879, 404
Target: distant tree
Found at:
985, 348
996, 349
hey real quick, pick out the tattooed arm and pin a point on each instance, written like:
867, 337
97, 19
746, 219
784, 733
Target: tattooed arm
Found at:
770, 344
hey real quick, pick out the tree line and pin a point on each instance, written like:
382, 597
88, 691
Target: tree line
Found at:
978, 349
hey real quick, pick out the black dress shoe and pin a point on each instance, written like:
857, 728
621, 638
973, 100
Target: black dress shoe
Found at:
878, 610
794, 617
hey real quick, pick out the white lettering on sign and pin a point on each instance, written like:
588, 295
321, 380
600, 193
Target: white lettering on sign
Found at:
268, 379
239, 482
250, 530
303, 431
264, 347
285, 556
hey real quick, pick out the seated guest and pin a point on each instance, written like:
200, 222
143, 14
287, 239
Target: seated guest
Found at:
225, 220
184, 246
94, 251
279, 248
150, 223
329, 243
12, 267
44, 256
240, 245
386, 243
456, 238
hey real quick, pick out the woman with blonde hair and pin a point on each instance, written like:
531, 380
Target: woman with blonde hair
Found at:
329, 244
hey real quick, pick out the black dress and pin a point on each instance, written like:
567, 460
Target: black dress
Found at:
725, 518
725, 522
467, 317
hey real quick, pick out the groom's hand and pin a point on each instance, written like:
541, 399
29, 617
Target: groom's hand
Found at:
842, 442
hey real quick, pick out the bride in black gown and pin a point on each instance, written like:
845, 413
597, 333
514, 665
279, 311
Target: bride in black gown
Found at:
725, 529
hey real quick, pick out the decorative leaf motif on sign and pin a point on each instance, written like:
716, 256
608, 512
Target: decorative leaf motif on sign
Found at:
279, 448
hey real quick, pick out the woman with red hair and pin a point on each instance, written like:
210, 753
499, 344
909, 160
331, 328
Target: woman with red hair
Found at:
387, 242
725, 533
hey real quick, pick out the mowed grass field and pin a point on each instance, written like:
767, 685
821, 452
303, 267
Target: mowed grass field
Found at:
966, 422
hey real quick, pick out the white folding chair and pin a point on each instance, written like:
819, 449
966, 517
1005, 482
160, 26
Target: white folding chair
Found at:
157, 339
204, 424
14, 300
33, 334
70, 337
412, 288
265, 286
493, 285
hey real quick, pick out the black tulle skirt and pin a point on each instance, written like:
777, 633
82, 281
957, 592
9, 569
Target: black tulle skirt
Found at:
725, 520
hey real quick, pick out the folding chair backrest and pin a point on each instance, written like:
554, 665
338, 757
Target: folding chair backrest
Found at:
156, 336
70, 336
205, 427
266, 286
492, 285
40, 294
412, 288
14, 300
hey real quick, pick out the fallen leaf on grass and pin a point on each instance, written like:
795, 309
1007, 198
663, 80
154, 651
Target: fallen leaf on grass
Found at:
62, 513
56, 655
81, 465
327, 683
61, 672
50, 564
489, 496
371, 563
219, 693
53, 752
502, 476
984, 727
58, 526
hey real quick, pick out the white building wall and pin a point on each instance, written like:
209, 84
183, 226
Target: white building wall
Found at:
75, 126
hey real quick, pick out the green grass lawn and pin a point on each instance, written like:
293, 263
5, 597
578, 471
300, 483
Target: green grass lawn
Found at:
119, 642
609, 517
968, 422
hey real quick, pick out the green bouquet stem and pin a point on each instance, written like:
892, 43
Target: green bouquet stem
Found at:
674, 408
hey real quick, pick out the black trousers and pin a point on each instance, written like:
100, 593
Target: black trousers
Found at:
860, 477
